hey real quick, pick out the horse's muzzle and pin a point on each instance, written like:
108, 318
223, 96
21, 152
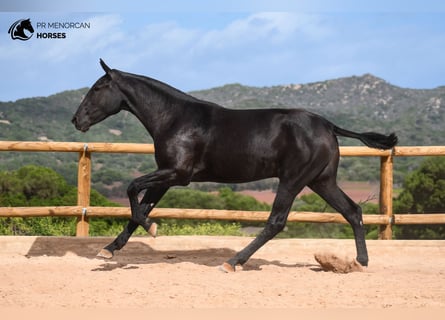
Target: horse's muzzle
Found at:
83, 128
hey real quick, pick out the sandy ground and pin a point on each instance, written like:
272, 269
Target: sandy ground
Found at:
182, 272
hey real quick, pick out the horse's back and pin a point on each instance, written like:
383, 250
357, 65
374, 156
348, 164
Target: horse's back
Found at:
268, 126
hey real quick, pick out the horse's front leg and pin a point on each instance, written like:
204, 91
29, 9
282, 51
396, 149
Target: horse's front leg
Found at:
160, 180
150, 199
121, 240
156, 183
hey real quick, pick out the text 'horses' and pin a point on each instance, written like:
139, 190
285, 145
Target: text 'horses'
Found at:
197, 140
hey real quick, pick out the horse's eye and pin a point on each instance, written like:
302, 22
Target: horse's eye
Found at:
100, 86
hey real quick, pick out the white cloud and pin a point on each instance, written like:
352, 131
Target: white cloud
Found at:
104, 31
164, 38
268, 27
260, 31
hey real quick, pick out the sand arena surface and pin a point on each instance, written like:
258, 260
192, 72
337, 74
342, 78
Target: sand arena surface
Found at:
182, 272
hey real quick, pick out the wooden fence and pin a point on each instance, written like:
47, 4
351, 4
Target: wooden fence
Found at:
83, 211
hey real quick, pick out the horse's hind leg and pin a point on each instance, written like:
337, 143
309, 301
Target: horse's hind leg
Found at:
276, 222
150, 199
328, 189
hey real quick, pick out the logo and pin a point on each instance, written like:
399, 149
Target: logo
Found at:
23, 30
17, 30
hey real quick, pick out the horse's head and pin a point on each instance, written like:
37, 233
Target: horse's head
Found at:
26, 24
102, 100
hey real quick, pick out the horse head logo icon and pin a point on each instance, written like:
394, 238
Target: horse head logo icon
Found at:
17, 30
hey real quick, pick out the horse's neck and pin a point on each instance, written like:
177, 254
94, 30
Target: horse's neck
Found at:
154, 109
19, 29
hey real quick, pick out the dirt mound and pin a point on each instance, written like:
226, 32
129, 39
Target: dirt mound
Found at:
334, 263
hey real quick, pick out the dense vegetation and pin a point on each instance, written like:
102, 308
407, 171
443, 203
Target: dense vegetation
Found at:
423, 192
39, 186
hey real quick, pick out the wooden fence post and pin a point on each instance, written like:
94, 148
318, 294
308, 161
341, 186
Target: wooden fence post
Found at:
83, 191
386, 185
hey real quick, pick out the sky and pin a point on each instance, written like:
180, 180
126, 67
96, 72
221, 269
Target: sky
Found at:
194, 44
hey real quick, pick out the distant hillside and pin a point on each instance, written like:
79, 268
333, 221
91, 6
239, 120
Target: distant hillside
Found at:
49, 118
364, 103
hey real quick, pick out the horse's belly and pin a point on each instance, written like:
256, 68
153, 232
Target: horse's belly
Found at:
232, 168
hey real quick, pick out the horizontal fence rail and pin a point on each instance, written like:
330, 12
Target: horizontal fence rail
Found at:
100, 147
83, 211
214, 214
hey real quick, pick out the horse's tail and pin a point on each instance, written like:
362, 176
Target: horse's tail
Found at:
371, 139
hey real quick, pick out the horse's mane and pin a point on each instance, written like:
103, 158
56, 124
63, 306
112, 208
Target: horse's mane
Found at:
162, 87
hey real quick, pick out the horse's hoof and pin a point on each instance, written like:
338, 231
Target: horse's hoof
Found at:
105, 254
153, 230
363, 262
226, 268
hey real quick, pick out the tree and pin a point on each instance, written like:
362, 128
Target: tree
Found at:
423, 192
226, 198
32, 186
236, 201
190, 199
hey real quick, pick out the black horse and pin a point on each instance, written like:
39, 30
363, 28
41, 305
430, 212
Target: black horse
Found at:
197, 140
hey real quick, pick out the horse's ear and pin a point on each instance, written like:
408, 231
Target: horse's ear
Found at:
105, 67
